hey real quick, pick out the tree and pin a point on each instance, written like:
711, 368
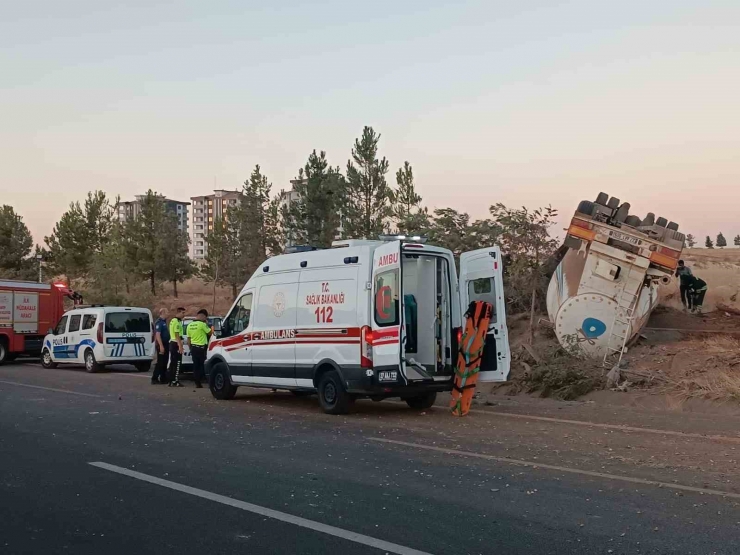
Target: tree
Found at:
108, 277
721, 241
223, 263
145, 239
369, 198
708, 243
452, 230
737, 240
81, 233
690, 241
15, 246
314, 216
410, 216
174, 263
525, 237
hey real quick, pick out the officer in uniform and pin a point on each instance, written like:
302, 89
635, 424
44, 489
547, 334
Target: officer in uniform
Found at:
199, 332
176, 347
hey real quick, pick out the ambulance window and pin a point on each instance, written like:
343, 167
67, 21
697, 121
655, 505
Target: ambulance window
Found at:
238, 320
74, 322
61, 326
386, 298
483, 289
88, 321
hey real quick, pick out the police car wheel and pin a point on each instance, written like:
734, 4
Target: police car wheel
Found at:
91, 365
221, 387
46, 360
332, 396
422, 401
143, 366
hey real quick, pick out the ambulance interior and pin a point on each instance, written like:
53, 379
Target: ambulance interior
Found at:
427, 316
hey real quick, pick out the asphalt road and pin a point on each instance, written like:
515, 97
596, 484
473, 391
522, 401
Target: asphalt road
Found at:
107, 463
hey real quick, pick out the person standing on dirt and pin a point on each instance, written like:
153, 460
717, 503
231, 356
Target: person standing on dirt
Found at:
199, 332
682, 273
697, 289
162, 344
176, 347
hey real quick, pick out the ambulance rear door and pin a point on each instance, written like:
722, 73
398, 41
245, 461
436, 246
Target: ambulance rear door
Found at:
387, 314
481, 279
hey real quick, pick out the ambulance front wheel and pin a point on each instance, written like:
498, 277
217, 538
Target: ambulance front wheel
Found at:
332, 396
421, 402
220, 383
46, 360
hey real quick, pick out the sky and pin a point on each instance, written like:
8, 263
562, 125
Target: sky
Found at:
526, 103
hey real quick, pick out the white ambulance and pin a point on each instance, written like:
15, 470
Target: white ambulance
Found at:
100, 335
371, 319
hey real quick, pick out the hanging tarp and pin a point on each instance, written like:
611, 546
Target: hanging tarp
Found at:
469, 356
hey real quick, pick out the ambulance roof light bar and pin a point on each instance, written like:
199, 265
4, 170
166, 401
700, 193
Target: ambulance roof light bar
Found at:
404, 238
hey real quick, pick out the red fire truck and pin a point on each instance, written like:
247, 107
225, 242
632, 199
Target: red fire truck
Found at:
27, 311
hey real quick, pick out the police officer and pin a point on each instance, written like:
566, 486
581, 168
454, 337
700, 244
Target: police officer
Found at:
683, 273
199, 332
162, 344
176, 347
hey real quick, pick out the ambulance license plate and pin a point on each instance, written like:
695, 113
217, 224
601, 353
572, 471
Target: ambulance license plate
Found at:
388, 376
624, 238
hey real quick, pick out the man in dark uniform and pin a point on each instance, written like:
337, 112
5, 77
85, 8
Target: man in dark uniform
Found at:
683, 272
162, 344
697, 290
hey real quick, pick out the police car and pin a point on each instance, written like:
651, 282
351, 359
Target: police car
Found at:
365, 318
100, 335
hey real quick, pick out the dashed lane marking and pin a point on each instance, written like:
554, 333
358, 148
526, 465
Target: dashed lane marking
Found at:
383, 545
67, 391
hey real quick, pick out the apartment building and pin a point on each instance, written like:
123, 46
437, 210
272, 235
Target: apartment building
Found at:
205, 210
131, 209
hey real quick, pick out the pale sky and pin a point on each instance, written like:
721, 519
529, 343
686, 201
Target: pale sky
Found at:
525, 103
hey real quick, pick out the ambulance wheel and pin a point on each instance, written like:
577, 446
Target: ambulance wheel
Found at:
220, 384
91, 365
420, 402
46, 360
143, 366
332, 396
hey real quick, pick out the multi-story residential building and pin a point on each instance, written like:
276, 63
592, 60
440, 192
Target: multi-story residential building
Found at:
206, 210
131, 209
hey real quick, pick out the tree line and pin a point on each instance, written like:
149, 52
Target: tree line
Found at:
720, 241
115, 260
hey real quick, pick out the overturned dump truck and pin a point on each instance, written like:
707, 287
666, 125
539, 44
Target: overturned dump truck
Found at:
606, 285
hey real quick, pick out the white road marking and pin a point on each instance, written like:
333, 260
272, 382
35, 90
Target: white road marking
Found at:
530, 464
264, 511
50, 389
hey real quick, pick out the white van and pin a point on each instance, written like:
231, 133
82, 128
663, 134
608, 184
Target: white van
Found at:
371, 319
100, 335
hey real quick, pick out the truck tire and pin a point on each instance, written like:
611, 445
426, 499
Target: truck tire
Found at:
622, 212
46, 360
613, 203
91, 365
633, 221
3, 352
649, 219
332, 396
220, 383
421, 402
602, 199
586, 207
662, 222
673, 226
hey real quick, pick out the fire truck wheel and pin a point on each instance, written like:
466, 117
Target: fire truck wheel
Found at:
3, 352
46, 360
91, 365
421, 401
332, 396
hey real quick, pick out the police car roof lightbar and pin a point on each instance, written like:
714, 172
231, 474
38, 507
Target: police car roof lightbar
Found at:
409, 238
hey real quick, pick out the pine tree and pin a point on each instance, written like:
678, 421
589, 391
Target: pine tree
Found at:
81, 233
737, 240
721, 241
410, 216
15, 246
314, 217
144, 232
708, 243
690, 241
172, 253
369, 203
109, 277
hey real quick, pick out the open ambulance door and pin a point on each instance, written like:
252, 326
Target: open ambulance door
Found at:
481, 279
387, 315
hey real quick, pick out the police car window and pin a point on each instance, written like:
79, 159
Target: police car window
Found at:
88, 321
386, 298
238, 320
74, 322
61, 326
127, 322
483, 289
